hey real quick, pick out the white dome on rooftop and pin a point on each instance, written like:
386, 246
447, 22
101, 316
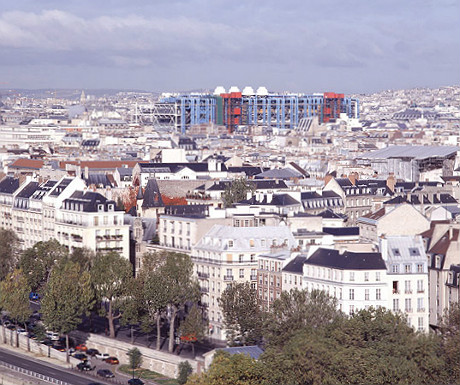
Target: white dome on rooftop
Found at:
262, 91
247, 91
219, 90
234, 89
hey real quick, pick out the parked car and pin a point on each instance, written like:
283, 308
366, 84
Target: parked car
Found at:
21, 331
106, 373
53, 336
135, 381
92, 352
102, 356
81, 347
112, 360
85, 366
34, 296
60, 348
81, 356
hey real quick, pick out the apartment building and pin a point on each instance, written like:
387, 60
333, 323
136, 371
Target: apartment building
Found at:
227, 254
407, 275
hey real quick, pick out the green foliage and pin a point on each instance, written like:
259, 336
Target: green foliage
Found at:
237, 191
68, 294
226, 369
14, 296
242, 315
297, 310
135, 358
84, 257
450, 337
111, 276
9, 246
185, 370
193, 327
38, 261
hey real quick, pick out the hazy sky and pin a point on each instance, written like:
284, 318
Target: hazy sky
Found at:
349, 46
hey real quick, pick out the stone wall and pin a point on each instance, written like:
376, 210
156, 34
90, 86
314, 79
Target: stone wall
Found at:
160, 362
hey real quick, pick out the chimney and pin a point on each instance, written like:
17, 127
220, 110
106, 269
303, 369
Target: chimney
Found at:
86, 172
353, 177
391, 182
451, 232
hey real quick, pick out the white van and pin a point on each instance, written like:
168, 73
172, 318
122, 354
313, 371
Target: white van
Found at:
53, 336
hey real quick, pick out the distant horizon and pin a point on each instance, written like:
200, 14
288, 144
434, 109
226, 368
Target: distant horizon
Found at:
352, 47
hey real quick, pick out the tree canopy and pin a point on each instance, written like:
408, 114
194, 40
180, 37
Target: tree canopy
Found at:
237, 191
9, 252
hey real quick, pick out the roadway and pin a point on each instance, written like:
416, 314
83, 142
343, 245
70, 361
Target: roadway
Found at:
46, 369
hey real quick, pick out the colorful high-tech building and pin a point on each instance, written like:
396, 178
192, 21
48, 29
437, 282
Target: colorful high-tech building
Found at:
234, 109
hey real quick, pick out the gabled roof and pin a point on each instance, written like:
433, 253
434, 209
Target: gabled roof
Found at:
346, 261
98, 180
88, 199
28, 190
375, 216
9, 185
33, 164
152, 195
296, 265
443, 244
329, 214
285, 173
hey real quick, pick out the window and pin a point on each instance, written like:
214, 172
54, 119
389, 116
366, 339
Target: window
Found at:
420, 323
251, 243
240, 258
366, 294
420, 307
352, 294
395, 268
241, 273
378, 294
230, 243
414, 251
408, 305
419, 268
395, 305
377, 276
407, 268
352, 276
396, 252
407, 288
352, 309
366, 276
253, 257
420, 288
395, 287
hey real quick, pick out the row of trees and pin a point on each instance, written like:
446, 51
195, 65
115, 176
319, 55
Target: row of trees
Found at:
308, 341
75, 284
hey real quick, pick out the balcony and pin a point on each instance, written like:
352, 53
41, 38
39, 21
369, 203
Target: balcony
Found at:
204, 289
202, 275
253, 277
421, 310
408, 310
228, 277
395, 291
421, 291
408, 291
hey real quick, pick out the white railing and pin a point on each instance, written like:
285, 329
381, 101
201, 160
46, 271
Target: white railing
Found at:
27, 372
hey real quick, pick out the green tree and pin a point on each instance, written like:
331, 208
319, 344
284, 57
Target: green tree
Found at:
14, 298
242, 314
154, 292
9, 246
84, 257
182, 288
67, 296
192, 330
135, 359
111, 276
38, 261
226, 369
185, 370
450, 336
297, 310
237, 191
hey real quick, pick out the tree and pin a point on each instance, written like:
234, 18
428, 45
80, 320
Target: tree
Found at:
9, 245
135, 359
84, 257
38, 261
154, 293
226, 369
192, 330
297, 310
237, 191
14, 298
67, 296
111, 276
242, 315
185, 370
450, 335
181, 287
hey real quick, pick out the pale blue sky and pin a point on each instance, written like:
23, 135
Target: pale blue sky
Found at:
349, 46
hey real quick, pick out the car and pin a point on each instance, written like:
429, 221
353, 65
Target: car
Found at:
135, 381
53, 336
112, 360
6, 323
92, 352
85, 367
81, 356
81, 347
102, 356
47, 342
60, 348
106, 373
21, 331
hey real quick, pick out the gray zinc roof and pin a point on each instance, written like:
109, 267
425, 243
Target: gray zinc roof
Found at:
416, 152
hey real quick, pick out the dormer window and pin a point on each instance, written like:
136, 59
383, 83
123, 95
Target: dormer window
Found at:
414, 251
396, 252
110, 207
230, 243
100, 207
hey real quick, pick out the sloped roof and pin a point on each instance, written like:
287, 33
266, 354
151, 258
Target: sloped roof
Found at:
152, 195
296, 265
9, 185
33, 164
347, 261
